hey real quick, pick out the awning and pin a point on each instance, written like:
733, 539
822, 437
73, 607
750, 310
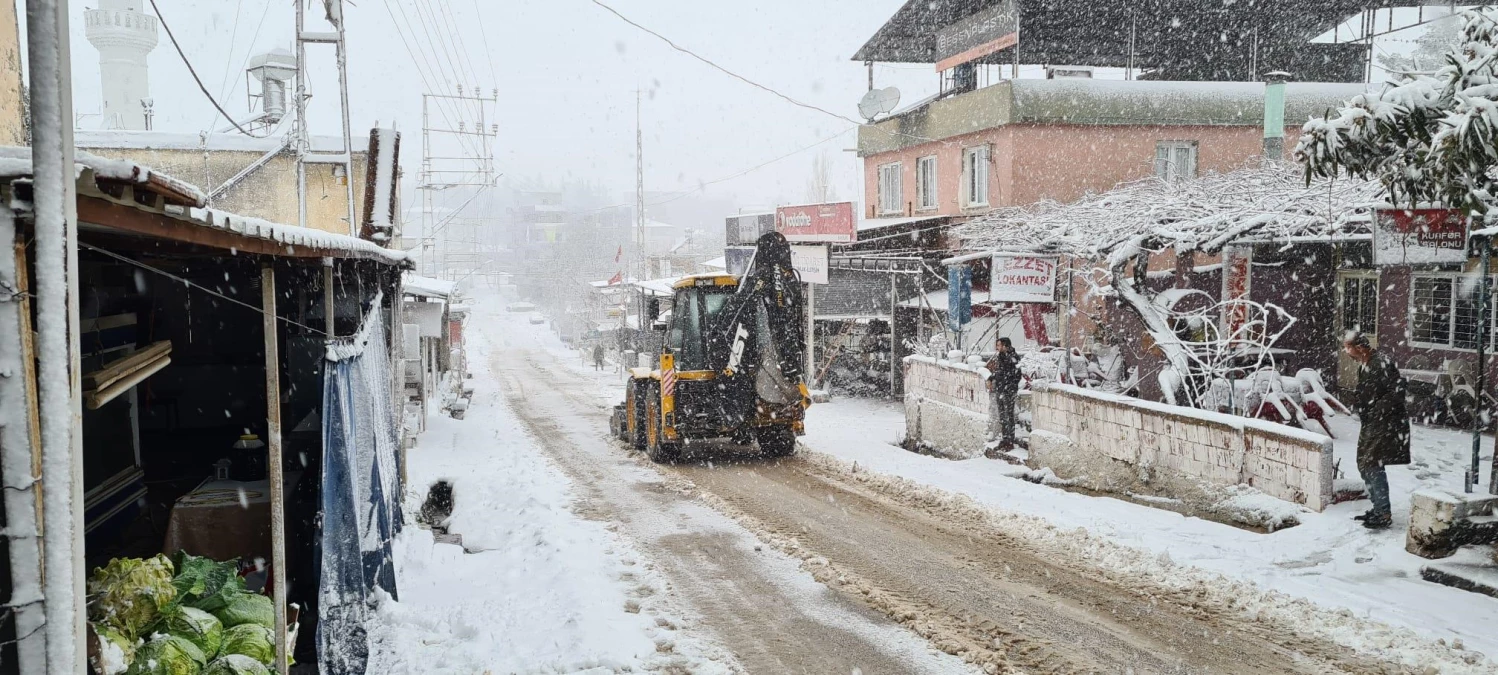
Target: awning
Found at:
427, 287
872, 224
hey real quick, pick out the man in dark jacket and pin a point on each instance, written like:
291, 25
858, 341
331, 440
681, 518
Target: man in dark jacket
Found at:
1385, 436
1003, 385
598, 356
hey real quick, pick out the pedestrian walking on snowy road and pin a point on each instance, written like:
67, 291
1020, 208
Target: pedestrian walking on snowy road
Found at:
1385, 436
1003, 386
598, 356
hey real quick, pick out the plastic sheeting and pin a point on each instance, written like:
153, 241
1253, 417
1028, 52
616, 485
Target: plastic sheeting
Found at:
360, 493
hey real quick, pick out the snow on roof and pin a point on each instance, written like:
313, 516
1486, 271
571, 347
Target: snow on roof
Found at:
15, 162
165, 140
657, 224
427, 287
1085, 100
1264, 201
384, 178
658, 286
720, 262
937, 300
292, 235
868, 224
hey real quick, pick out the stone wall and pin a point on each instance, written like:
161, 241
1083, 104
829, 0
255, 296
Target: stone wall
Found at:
946, 405
1117, 441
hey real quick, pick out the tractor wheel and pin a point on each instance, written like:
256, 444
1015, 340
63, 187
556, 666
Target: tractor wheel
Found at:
637, 412
657, 447
776, 441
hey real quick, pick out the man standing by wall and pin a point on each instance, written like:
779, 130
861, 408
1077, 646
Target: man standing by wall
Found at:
1385, 436
1003, 386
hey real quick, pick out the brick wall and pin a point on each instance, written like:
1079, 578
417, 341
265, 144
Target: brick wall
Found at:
1284, 462
946, 405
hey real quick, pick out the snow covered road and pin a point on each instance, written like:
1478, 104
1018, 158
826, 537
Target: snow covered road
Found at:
588, 557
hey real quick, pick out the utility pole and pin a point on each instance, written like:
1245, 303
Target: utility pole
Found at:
640, 270
465, 159
342, 160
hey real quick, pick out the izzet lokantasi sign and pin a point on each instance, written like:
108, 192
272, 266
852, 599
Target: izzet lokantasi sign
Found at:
1022, 278
828, 223
1419, 236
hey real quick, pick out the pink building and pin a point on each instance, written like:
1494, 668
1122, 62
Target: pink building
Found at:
1023, 141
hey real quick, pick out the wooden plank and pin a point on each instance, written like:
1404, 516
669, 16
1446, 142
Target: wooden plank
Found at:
273, 463
120, 368
28, 366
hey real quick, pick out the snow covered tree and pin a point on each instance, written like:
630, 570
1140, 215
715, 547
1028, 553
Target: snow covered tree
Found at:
1427, 138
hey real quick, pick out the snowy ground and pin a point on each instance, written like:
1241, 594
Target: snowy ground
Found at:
1328, 559
543, 590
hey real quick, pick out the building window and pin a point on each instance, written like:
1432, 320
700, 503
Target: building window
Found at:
1360, 305
890, 189
1175, 160
925, 181
975, 175
1443, 312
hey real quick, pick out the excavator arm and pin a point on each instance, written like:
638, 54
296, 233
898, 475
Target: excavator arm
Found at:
757, 343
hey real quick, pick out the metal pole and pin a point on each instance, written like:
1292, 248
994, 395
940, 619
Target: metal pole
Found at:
811, 334
327, 298
273, 461
58, 381
348, 137
1484, 311
894, 342
302, 141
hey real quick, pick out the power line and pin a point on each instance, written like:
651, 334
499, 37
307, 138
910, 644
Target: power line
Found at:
194, 72
725, 71
484, 33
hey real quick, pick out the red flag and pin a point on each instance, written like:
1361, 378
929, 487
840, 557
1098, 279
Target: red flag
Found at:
618, 277
620, 254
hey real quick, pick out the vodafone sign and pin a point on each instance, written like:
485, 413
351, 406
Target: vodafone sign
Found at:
817, 222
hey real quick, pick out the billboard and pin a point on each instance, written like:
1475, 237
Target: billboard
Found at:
1022, 278
744, 230
1237, 284
817, 223
1419, 236
737, 259
811, 263
986, 32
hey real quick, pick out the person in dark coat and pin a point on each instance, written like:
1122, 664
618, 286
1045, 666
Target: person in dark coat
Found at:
1384, 439
1003, 386
598, 356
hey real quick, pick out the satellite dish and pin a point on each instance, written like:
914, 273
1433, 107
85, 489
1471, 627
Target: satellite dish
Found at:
878, 101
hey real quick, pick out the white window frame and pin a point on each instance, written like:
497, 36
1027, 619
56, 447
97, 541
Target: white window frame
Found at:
892, 191
1167, 168
1456, 283
926, 175
970, 179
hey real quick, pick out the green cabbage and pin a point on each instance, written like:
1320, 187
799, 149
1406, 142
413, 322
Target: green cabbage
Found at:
206, 584
236, 664
167, 655
248, 608
115, 650
128, 594
252, 640
200, 628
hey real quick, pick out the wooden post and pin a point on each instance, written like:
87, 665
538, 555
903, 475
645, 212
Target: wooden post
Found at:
273, 462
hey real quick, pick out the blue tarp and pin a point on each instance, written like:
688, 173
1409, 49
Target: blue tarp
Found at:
360, 493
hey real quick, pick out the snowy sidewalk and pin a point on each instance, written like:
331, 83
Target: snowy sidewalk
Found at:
543, 590
1329, 559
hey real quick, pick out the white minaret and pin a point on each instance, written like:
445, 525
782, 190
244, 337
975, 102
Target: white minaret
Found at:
124, 36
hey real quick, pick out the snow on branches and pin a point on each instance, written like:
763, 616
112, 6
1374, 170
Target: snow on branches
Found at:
1270, 201
1427, 138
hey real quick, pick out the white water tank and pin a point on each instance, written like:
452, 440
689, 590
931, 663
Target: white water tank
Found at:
275, 70
124, 35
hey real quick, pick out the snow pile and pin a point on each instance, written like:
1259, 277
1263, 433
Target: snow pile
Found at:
384, 178
15, 161
292, 235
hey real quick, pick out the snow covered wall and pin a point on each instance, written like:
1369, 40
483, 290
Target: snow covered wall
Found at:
946, 405
1118, 443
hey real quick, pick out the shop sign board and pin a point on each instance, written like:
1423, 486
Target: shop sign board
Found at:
745, 230
811, 263
832, 223
986, 32
1022, 278
1419, 236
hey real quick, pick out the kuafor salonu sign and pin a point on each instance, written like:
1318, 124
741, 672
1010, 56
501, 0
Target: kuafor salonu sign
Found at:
824, 223
1022, 278
1419, 236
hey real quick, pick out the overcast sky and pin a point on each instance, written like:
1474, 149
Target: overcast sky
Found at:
566, 71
